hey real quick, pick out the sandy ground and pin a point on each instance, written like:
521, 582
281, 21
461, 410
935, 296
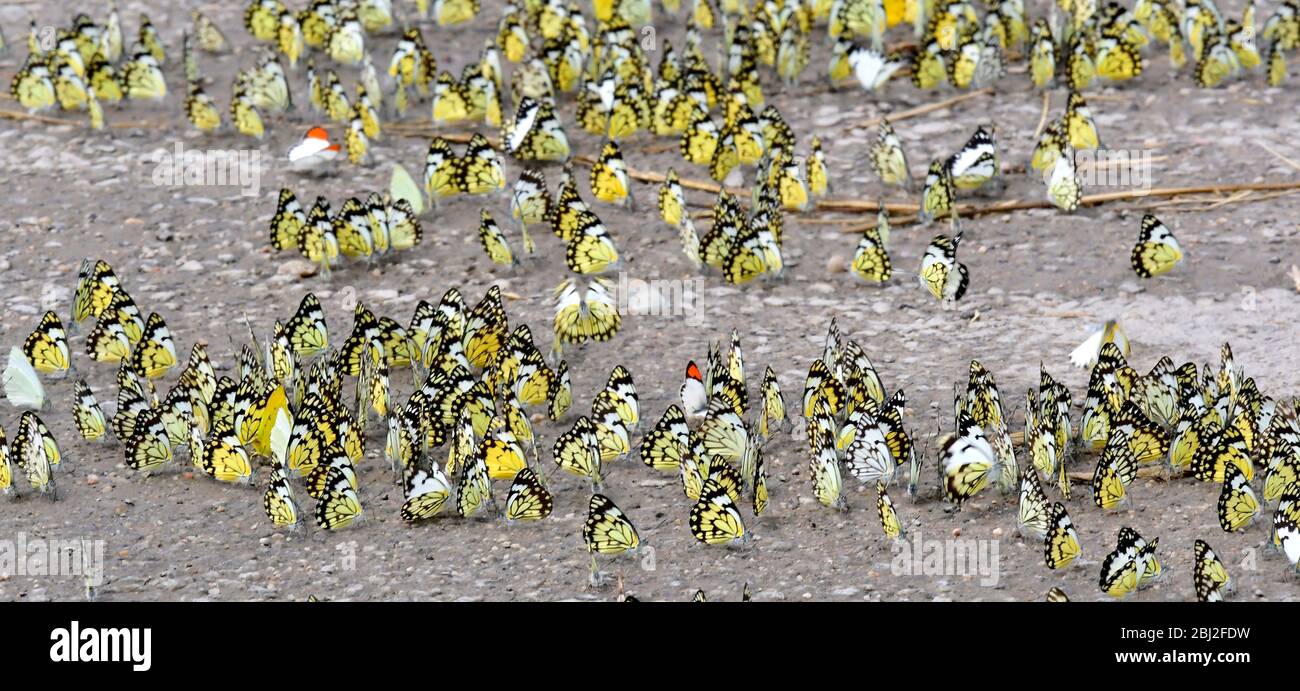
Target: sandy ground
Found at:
1040, 280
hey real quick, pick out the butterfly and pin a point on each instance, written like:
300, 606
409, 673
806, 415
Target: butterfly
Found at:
889, 522
278, 501
1157, 250
87, 413
966, 461
449, 12
201, 109
1116, 469
1209, 574
245, 115
1032, 514
1064, 188
1286, 526
1042, 62
149, 446
528, 499
609, 177
700, 139
607, 530
425, 492
46, 347
559, 392
536, 133
1061, 545
261, 18
22, 385
872, 68
827, 483
339, 505
155, 354
577, 450
306, 330
480, 168
871, 258
494, 241
1238, 506
715, 519
225, 458
938, 194
96, 284
941, 273
1118, 59
1080, 128
773, 412
1217, 62
592, 314
928, 69
530, 202
1055, 594
976, 162
592, 250
1122, 569
31, 452
143, 78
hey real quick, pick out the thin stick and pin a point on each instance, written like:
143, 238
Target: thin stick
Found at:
921, 110
967, 210
21, 116
1042, 120
1271, 150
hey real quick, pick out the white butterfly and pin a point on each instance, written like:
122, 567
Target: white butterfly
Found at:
871, 68
22, 386
1086, 354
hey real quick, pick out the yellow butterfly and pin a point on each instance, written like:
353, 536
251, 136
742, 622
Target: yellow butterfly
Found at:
561, 393
871, 258
32, 86
449, 12
536, 134
494, 241
1122, 569
149, 446
609, 177
1238, 505
941, 273
144, 78
1118, 59
938, 194
1079, 125
530, 202
1116, 469
528, 499
278, 501
340, 505
480, 168
155, 354
592, 250
1064, 188
346, 43
426, 492
1209, 574
247, 120
225, 459
261, 18
87, 413
1061, 546
607, 530
1042, 61
46, 347
1157, 250
715, 519
577, 451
